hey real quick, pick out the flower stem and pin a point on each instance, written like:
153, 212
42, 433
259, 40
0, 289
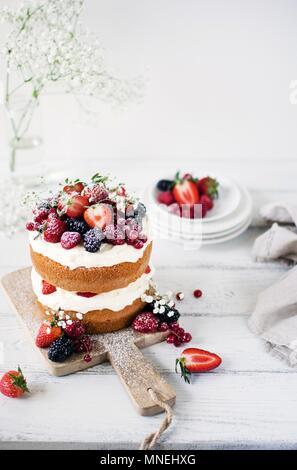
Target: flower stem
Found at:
12, 159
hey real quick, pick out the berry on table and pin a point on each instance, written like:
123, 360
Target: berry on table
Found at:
180, 296
61, 349
197, 293
77, 225
13, 384
47, 334
70, 240
93, 239
54, 230
47, 288
145, 322
193, 360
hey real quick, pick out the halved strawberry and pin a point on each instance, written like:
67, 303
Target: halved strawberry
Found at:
99, 215
185, 191
71, 188
77, 205
194, 360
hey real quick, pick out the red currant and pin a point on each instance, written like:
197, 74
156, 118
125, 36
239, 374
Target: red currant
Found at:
197, 293
163, 326
170, 338
177, 342
174, 326
187, 337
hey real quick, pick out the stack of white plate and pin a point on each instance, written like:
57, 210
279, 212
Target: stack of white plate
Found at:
230, 216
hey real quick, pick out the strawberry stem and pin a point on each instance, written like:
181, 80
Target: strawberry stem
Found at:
184, 371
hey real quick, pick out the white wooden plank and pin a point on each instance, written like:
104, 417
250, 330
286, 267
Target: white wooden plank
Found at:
242, 352
215, 411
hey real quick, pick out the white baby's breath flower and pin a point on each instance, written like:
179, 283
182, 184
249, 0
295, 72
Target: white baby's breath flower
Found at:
79, 316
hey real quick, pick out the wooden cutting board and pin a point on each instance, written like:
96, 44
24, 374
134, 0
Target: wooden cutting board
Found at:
120, 348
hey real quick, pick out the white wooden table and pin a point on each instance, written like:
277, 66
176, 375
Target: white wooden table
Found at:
249, 402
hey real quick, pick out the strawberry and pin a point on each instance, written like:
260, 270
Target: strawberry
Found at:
47, 288
99, 215
166, 197
73, 188
54, 230
47, 334
206, 201
185, 191
76, 205
194, 360
13, 384
208, 186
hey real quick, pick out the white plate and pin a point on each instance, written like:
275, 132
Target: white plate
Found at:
227, 202
179, 226
208, 241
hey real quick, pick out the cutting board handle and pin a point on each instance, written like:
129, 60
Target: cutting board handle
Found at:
138, 375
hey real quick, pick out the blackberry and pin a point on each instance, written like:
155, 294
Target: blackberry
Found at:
93, 239
170, 315
164, 185
77, 225
61, 349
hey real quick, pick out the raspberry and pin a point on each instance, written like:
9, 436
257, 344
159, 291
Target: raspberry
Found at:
83, 344
197, 293
145, 323
95, 193
77, 225
70, 240
166, 198
47, 288
138, 244
147, 269
76, 330
93, 239
40, 215
54, 230
61, 349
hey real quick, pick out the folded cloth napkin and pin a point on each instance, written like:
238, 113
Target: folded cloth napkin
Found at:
275, 316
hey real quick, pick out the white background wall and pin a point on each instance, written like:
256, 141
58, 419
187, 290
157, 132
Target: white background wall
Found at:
217, 82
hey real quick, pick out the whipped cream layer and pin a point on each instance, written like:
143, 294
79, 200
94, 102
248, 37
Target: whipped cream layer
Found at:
114, 300
78, 257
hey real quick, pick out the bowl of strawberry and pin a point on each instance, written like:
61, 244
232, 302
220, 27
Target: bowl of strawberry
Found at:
187, 196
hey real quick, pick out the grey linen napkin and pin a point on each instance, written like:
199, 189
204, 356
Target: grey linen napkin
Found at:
275, 315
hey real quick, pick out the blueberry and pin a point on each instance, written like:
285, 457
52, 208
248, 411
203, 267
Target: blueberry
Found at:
164, 185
